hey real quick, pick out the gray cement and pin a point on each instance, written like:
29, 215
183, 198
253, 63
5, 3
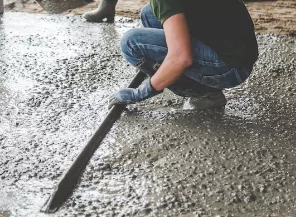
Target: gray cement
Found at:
159, 160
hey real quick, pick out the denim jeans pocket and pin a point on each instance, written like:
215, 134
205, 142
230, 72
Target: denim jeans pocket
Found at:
231, 78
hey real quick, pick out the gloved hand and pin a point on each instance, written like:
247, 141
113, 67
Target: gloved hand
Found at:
133, 95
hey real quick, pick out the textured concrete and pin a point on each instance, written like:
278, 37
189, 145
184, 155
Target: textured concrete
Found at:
159, 160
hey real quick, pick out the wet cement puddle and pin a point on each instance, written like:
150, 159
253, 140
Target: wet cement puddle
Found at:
159, 160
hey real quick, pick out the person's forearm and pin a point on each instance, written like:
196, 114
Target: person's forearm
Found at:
170, 70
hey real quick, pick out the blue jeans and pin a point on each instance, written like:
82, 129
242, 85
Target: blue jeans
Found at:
207, 68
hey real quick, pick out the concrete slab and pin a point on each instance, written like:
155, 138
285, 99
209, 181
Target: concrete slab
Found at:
56, 75
1, 7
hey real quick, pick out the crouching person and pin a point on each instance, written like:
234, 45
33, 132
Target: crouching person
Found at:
195, 48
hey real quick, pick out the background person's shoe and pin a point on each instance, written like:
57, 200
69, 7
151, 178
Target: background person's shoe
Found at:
106, 10
206, 101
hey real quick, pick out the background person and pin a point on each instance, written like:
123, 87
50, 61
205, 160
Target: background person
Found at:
195, 48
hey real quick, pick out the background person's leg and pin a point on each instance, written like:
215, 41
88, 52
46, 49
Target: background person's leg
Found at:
105, 10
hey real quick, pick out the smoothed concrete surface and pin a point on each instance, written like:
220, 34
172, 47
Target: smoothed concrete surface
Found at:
159, 160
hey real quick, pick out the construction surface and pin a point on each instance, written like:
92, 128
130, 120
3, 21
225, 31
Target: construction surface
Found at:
272, 16
57, 72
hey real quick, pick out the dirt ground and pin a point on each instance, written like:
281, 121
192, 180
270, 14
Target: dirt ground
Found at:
278, 17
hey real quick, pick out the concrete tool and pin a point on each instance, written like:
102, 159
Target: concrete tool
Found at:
70, 179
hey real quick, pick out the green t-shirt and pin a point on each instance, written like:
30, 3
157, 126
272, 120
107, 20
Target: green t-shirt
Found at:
224, 25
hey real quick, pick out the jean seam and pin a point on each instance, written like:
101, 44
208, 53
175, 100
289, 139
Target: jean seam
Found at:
238, 76
206, 63
247, 72
150, 45
217, 83
143, 21
136, 47
141, 61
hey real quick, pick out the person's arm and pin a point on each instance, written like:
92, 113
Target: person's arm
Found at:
179, 55
179, 58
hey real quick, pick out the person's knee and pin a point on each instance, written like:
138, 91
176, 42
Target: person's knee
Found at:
129, 44
129, 40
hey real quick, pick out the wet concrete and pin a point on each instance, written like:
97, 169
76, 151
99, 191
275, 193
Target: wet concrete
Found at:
159, 160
